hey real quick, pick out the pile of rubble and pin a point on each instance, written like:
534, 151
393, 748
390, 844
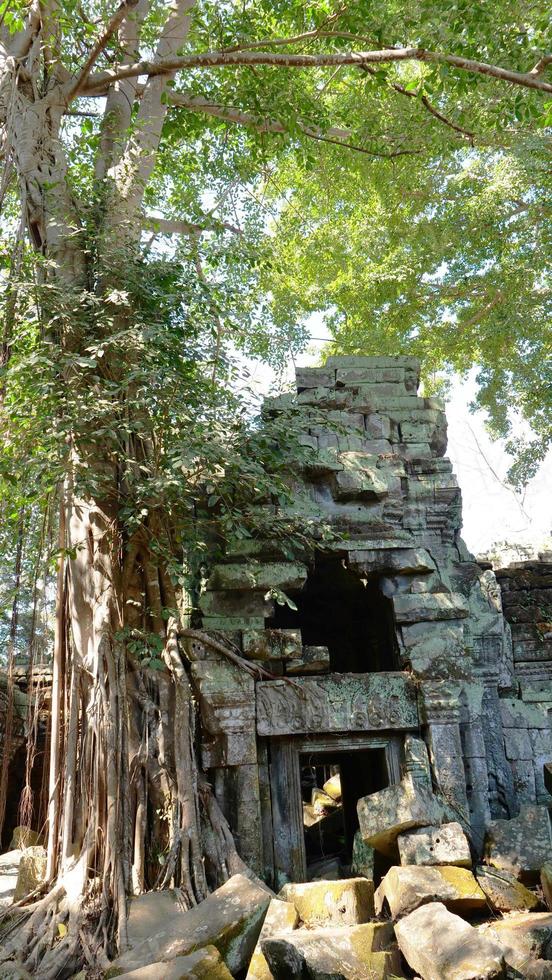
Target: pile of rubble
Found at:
434, 915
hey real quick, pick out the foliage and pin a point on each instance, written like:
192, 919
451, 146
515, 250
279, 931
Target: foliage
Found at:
444, 257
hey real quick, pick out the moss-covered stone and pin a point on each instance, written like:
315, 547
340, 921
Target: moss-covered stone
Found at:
204, 964
229, 919
346, 902
504, 892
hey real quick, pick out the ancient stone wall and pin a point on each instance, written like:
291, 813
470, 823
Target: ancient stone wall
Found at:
400, 631
526, 589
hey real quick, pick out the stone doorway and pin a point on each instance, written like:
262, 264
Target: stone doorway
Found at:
331, 785
366, 763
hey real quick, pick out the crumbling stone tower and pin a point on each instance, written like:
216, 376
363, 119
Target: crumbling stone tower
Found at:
398, 652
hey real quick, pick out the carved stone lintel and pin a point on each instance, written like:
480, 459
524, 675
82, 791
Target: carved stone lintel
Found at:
337, 703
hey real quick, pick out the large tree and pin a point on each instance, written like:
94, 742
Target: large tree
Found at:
121, 128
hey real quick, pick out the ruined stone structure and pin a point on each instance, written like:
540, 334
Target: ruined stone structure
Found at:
393, 657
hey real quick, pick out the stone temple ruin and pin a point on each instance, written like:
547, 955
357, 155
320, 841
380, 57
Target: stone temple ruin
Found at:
395, 667
400, 736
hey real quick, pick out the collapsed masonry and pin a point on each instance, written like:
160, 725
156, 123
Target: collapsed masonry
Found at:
394, 661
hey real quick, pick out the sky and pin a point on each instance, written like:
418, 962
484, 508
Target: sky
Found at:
493, 514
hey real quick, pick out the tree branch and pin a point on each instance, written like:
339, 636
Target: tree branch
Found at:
336, 135
225, 59
430, 108
100, 45
541, 65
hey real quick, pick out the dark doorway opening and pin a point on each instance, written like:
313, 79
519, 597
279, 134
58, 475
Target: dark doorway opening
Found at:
349, 615
331, 785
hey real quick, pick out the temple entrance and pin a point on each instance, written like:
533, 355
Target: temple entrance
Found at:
346, 613
311, 837
331, 785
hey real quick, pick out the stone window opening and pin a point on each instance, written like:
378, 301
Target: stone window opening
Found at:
349, 614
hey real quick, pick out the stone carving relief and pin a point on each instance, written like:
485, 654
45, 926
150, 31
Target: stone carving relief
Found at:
336, 703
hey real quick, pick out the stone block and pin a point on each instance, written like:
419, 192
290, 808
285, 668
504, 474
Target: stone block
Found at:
546, 884
373, 361
322, 397
323, 462
370, 376
439, 945
535, 691
384, 815
9, 870
23, 837
362, 860
523, 936
504, 892
229, 919
236, 605
203, 964
272, 644
314, 378
406, 561
313, 660
230, 624
430, 607
258, 577
32, 871
521, 845
406, 888
359, 479
446, 844
517, 714
517, 744
348, 902
332, 787
354, 953
281, 917
377, 427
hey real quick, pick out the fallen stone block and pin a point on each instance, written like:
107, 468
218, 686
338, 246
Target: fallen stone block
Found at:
332, 787
32, 872
439, 945
446, 844
504, 892
9, 870
321, 802
24, 837
384, 815
345, 903
538, 970
355, 953
204, 964
523, 936
281, 917
229, 919
406, 888
521, 845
